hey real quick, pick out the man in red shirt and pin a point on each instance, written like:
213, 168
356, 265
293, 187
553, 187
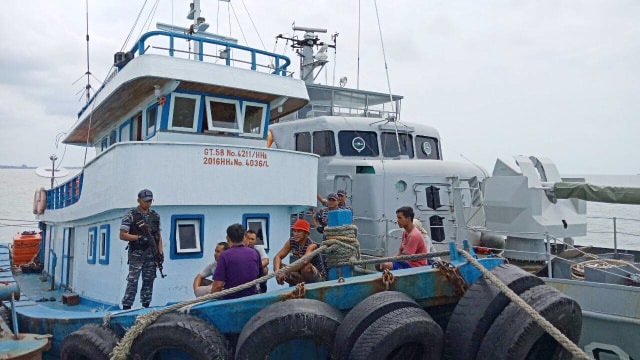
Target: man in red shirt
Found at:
412, 242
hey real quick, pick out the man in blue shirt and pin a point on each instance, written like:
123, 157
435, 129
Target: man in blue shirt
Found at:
237, 265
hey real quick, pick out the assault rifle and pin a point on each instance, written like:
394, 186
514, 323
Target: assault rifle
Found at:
159, 258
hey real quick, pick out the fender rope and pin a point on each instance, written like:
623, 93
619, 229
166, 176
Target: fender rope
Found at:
541, 321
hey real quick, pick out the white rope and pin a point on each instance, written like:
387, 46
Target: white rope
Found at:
541, 321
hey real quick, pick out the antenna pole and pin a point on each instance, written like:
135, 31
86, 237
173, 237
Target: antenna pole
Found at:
87, 88
53, 159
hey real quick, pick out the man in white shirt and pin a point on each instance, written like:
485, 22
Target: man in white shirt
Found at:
202, 285
250, 239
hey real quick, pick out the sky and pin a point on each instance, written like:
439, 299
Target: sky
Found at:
549, 78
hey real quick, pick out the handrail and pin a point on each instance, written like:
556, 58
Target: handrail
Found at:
281, 62
66, 194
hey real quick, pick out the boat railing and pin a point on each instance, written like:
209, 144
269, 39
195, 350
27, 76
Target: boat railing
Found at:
66, 194
207, 47
209, 50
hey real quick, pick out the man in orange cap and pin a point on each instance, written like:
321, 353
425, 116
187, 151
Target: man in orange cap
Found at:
300, 245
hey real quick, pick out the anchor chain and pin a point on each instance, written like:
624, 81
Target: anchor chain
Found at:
453, 276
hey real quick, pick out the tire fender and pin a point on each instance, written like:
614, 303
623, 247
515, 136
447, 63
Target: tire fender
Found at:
285, 321
515, 335
364, 314
92, 341
404, 333
187, 333
476, 311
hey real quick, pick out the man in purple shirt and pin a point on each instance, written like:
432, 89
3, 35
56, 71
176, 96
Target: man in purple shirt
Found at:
237, 265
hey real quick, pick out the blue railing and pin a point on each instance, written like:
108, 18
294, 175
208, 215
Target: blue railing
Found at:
280, 63
66, 194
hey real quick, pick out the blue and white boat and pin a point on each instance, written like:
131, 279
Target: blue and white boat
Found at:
222, 133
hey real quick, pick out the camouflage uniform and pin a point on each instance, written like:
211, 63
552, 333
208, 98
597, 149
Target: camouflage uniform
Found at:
141, 259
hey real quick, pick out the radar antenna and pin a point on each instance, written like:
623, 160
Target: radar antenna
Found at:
304, 48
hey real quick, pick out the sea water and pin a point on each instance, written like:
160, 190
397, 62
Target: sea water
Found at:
17, 187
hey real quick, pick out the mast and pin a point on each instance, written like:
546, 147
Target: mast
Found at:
304, 48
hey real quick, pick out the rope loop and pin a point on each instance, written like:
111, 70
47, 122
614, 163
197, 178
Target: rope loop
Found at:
387, 278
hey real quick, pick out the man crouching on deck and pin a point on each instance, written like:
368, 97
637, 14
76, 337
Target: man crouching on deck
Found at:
300, 245
412, 242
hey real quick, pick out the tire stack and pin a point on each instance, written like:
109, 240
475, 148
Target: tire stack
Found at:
486, 325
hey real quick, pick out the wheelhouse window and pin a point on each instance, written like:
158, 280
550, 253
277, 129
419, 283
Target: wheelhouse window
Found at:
222, 115
104, 240
151, 120
187, 236
303, 142
390, 143
427, 148
324, 143
254, 115
125, 131
184, 112
104, 143
260, 224
91, 245
358, 143
112, 138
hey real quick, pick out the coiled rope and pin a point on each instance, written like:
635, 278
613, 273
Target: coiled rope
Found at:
345, 235
541, 321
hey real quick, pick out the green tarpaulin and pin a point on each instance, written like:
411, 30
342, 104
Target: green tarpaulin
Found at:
588, 192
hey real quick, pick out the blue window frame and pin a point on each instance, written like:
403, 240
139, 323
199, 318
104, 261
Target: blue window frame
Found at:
91, 245
187, 236
104, 241
260, 224
126, 131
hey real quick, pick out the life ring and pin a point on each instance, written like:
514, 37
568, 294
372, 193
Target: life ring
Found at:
278, 324
36, 198
404, 333
515, 335
42, 201
481, 304
187, 333
364, 314
270, 138
92, 341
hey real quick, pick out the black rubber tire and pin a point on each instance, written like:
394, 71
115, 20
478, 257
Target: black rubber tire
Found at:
187, 333
476, 311
403, 334
515, 335
285, 321
91, 342
364, 314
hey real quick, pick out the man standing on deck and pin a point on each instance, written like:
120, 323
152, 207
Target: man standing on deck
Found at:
140, 226
321, 218
412, 242
342, 198
236, 266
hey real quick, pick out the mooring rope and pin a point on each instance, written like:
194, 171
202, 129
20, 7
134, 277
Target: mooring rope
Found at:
121, 350
380, 260
541, 321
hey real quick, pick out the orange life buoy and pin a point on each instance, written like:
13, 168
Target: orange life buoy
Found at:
269, 138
